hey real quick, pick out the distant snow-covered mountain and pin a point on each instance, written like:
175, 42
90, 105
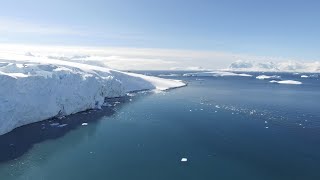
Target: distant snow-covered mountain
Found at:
288, 66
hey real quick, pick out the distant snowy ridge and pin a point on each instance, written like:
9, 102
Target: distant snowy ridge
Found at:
34, 89
289, 66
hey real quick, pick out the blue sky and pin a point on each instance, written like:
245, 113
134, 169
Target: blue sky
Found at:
277, 28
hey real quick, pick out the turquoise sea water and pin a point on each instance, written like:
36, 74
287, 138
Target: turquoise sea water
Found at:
227, 128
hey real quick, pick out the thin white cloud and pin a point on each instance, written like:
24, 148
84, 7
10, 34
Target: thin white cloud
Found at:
10, 25
138, 58
21, 26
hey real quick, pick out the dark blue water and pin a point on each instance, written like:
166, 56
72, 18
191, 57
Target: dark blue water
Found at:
227, 128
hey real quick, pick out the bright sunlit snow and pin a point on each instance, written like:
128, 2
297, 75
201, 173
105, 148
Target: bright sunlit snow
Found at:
35, 89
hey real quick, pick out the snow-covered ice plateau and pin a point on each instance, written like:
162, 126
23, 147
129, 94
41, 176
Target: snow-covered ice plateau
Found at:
34, 89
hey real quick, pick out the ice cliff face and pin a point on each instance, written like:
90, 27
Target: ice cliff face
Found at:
38, 89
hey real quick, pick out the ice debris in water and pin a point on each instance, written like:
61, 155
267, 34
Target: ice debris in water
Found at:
184, 159
54, 124
84, 124
62, 125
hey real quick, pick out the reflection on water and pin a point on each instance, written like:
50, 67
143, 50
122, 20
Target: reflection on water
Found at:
22, 139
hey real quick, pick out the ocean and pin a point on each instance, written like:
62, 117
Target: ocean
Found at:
227, 128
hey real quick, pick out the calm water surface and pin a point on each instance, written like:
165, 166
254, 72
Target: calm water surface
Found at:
227, 127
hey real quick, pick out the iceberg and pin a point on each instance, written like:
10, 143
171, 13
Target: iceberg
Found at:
35, 89
262, 77
287, 82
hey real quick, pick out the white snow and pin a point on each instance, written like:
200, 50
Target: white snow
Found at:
262, 77
216, 74
287, 82
37, 88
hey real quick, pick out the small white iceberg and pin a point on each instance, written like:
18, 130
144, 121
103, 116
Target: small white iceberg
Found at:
292, 82
304, 76
84, 124
262, 77
184, 159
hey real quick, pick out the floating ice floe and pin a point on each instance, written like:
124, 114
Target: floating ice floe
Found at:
304, 76
54, 124
292, 82
84, 124
184, 159
63, 125
262, 77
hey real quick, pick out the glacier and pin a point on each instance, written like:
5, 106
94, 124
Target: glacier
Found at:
38, 88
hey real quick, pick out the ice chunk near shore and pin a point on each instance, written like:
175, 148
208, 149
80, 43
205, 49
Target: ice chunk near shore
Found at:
34, 88
304, 76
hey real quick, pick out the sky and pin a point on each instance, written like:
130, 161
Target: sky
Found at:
278, 29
